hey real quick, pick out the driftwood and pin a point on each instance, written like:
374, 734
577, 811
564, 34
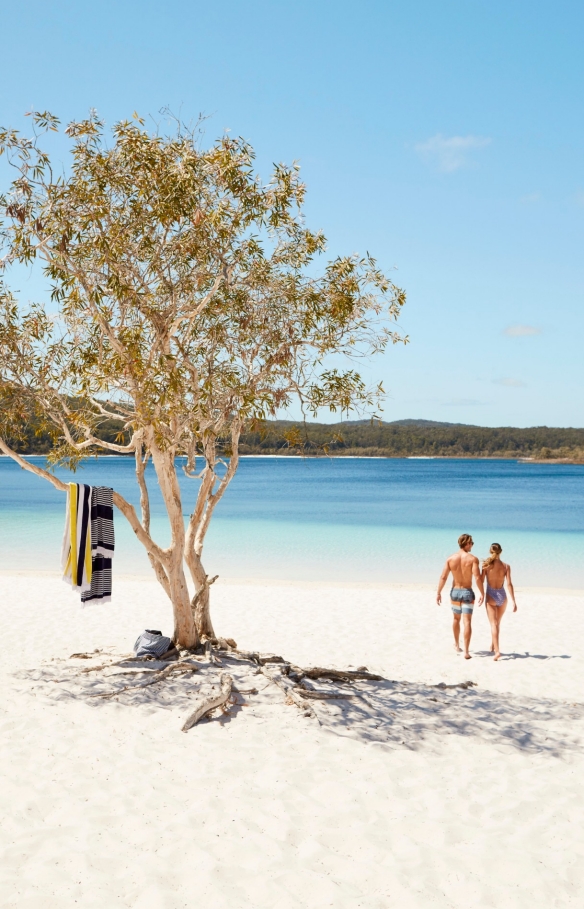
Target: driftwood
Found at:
443, 686
160, 675
344, 675
252, 656
324, 695
210, 703
275, 674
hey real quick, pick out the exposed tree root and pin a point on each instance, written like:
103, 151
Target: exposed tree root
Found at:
210, 703
275, 674
342, 675
160, 674
324, 695
293, 681
443, 686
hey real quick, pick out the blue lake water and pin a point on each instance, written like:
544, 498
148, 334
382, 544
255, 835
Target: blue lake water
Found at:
344, 519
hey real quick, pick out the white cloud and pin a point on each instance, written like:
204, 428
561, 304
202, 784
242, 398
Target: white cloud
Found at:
450, 154
510, 383
521, 331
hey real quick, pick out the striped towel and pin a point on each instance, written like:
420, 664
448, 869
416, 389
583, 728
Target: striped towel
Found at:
102, 545
76, 549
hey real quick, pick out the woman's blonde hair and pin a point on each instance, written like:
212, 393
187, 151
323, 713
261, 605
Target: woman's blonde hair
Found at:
494, 553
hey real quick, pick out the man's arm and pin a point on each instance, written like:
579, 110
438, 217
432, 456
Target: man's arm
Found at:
479, 579
442, 582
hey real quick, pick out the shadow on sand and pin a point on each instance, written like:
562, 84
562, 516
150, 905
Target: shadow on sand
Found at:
523, 656
391, 714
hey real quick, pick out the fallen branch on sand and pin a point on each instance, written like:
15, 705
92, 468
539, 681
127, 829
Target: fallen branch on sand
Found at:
210, 703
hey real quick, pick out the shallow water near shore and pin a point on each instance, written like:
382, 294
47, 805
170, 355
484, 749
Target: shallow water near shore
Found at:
349, 520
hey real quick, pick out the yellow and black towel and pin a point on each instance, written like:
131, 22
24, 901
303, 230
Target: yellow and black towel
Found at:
76, 551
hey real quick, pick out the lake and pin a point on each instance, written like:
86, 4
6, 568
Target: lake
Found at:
343, 519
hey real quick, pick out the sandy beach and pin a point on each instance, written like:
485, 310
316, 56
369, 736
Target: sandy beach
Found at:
411, 795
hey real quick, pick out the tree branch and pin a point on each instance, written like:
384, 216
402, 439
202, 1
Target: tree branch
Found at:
32, 468
215, 497
198, 309
121, 504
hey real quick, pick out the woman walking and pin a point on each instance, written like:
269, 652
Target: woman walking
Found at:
496, 572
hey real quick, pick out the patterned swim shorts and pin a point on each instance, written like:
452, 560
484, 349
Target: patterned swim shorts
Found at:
462, 599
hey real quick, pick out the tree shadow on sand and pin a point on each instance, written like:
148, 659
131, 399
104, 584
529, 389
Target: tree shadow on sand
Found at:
413, 716
384, 713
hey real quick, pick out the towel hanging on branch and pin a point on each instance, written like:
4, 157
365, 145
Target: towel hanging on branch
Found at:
89, 542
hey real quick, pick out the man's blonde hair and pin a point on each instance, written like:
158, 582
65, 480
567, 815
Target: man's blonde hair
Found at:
464, 539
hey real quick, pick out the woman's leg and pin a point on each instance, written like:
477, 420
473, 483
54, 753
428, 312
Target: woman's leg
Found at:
499, 613
492, 617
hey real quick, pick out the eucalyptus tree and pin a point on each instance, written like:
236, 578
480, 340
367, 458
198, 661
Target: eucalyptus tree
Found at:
185, 305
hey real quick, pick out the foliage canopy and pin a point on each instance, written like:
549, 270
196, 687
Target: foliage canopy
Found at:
188, 309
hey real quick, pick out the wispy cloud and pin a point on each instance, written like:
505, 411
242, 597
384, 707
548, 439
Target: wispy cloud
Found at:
450, 153
463, 402
510, 383
530, 198
521, 331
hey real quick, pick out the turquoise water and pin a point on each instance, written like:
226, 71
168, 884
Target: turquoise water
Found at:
356, 520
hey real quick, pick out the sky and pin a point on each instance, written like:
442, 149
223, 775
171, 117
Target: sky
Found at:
446, 139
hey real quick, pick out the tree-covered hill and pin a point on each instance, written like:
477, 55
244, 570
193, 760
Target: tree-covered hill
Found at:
402, 438
407, 438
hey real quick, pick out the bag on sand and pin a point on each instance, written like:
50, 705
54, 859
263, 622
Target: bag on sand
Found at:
151, 643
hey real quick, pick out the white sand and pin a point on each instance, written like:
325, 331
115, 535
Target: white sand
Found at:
470, 800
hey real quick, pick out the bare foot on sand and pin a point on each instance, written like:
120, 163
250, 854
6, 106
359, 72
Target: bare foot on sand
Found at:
467, 656
497, 656
457, 648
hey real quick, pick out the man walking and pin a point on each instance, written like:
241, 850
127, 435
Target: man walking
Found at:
464, 567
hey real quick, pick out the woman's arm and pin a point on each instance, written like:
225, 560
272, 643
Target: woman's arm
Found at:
510, 586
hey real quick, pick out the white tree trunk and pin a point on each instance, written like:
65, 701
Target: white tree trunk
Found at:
185, 631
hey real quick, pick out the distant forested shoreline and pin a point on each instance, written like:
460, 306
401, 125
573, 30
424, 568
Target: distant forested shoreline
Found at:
400, 439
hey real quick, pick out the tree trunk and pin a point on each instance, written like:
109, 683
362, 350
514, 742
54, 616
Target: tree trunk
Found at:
201, 601
203, 615
185, 631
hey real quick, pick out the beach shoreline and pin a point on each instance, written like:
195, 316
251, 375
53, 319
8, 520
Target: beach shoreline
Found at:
425, 588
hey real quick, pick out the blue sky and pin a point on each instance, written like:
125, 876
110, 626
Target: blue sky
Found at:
445, 138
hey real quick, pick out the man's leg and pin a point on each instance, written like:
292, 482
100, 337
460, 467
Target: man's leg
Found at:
456, 625
467, 620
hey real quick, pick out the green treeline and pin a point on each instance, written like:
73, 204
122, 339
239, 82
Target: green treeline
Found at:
407, 438
404, 438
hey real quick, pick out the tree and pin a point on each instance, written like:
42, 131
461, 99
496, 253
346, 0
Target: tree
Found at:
187, 310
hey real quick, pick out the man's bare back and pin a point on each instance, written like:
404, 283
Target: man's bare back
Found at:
464, 567
461, 565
